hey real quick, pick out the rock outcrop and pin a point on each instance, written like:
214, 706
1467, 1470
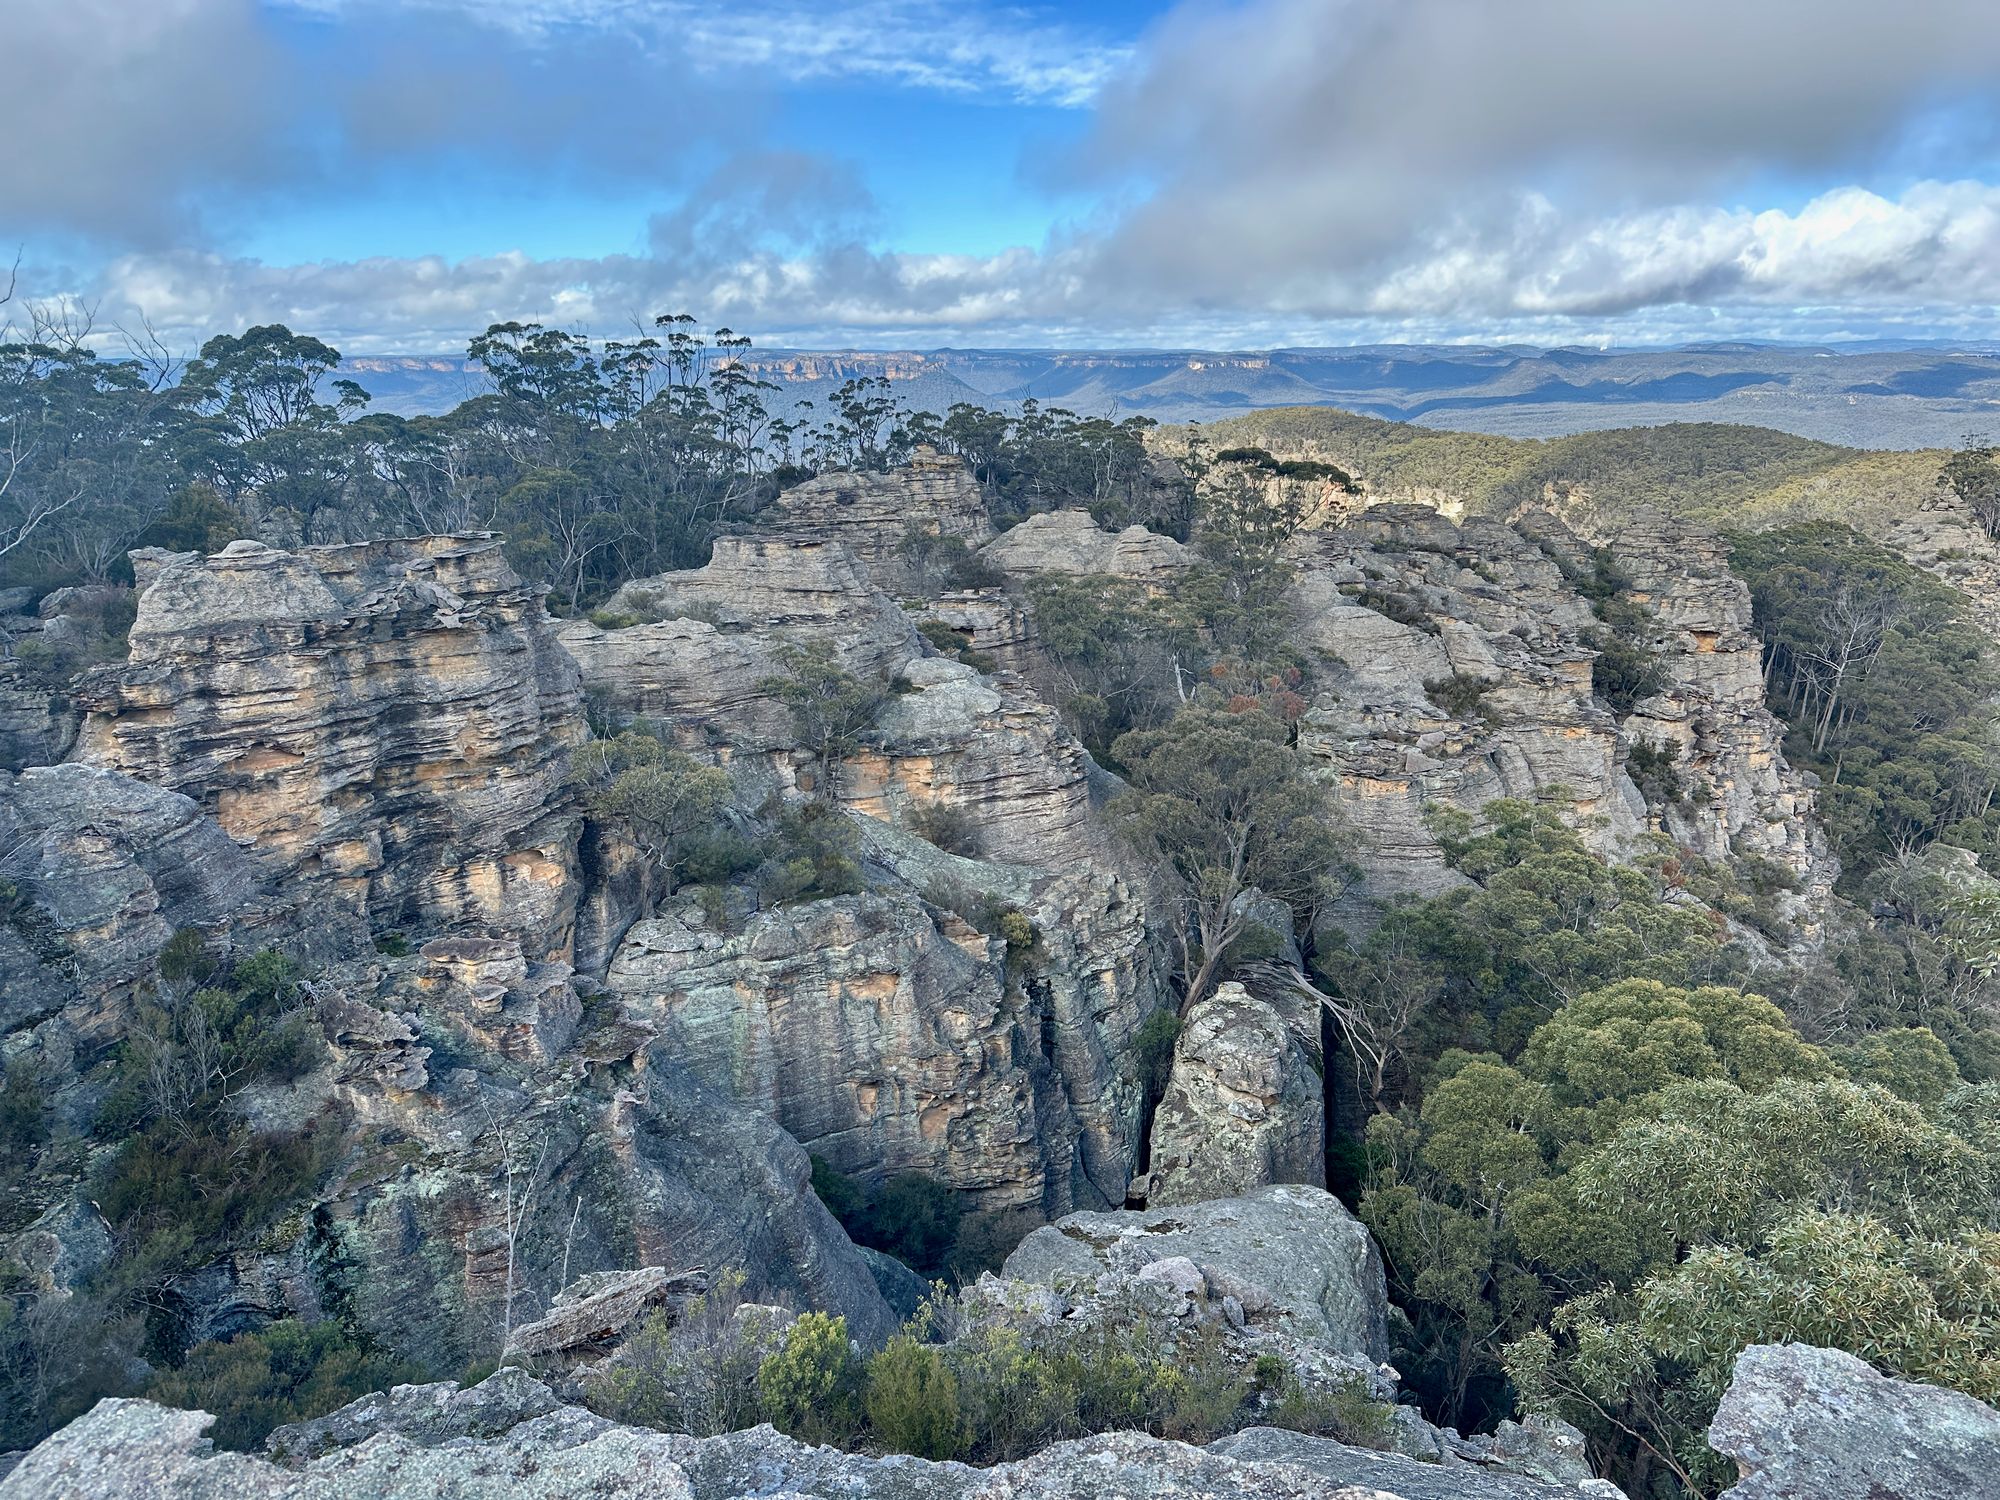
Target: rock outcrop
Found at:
384, 725
888, 1033
100, 870
1740, 799
1245, 1104
425, 1448
1809, 1424
1403, 608
1455, 667
1070, 542
1292, 1249
475, 1075
874, 515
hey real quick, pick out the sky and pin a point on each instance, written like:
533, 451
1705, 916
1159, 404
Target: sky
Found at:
394, 175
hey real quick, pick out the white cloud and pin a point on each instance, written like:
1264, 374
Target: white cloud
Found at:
1846, 261
954, 46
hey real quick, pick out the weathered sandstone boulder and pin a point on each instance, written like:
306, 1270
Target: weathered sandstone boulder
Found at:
1293, 1248
100, 871
1809, 1424
1245, 1105
385, 724
1069, 541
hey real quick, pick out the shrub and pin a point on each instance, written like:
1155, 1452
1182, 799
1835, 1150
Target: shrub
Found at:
948, 826
809, 1388
695, 1374
1460, 695
913, 1400
288, 1372
812, 856
1348, 1414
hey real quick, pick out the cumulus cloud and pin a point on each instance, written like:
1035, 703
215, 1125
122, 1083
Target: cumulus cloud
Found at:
1267, 171
1289, 149
1846, 260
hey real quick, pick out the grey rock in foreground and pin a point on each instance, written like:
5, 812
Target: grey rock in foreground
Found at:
134, 1450
1308, 1257
1812, 1424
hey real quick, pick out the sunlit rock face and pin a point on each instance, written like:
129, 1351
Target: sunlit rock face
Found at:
386, 724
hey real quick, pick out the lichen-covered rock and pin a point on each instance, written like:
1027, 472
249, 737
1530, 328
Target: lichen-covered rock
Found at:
1245, 1104
990, 750
1402, 609
134, 1450
386, 723
621, 1154
1070, 542
888, 1033
426, 1415
1295, 1248
1805, 1423
1360, 1471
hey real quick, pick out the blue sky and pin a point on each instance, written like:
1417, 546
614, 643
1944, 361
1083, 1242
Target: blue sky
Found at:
394, 174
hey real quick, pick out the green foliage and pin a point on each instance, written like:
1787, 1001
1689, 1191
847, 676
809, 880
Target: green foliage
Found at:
1460, 695
913, 1401
810, 1388
1886, 685
1308, 470
1226, 804
1047, 458
287, 1372
831, 707
950, 826
693, 1372
813, 855
196, 519
910, 1216
1113, 651
659, 797
1647, 1186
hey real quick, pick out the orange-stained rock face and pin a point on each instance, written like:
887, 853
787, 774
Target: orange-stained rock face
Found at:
390, 718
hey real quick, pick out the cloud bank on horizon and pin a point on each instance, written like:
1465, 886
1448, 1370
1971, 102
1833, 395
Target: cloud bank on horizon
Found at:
396, 174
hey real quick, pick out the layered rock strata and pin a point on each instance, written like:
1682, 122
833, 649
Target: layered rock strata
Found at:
385, 725
888, 1033
1454, 666
1740, 797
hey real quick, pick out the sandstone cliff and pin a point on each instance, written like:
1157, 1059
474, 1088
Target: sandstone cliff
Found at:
384, 725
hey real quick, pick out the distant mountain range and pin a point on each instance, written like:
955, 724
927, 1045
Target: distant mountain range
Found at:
1872, 395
